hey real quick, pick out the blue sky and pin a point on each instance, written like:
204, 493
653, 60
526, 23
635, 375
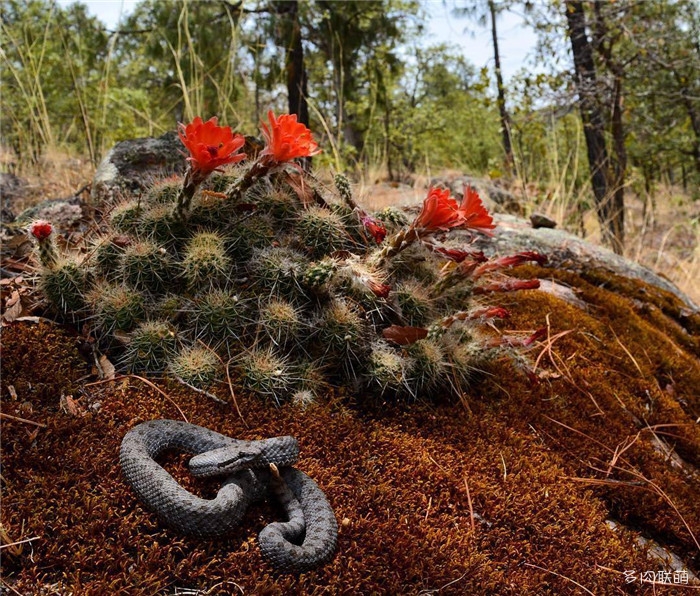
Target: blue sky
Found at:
515, 41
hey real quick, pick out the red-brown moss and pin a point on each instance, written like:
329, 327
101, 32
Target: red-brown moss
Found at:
536, 460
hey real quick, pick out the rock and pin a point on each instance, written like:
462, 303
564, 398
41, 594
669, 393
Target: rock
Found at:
64, 214
566, 251
539, 220
130, 166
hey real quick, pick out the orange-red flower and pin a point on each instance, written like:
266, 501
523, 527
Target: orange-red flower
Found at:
287, 139
210, 146
472, 210
439, 212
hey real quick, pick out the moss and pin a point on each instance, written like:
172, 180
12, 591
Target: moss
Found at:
545, 465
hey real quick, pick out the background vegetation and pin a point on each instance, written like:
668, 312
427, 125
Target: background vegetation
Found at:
382, 100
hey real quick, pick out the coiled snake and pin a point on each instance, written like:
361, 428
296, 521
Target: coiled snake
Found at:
307, 540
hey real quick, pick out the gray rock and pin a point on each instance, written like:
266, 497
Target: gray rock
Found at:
64, 214
566, 251
131, 166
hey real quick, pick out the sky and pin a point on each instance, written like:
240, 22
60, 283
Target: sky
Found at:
515, 41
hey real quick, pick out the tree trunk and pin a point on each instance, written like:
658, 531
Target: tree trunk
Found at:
619, 166
610, 215
297, 79
505, 119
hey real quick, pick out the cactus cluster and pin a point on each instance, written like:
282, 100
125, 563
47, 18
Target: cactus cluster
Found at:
259, 265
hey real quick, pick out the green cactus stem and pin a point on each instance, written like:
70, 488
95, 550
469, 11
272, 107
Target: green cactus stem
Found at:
151, 345
196, 366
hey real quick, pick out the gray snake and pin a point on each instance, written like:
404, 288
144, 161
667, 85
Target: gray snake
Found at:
306, 541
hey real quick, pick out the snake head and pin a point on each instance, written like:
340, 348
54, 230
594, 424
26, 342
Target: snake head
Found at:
239, 461
225, 460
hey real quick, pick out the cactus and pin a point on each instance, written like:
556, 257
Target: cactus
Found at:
279, 202
416, 303
278, 271
146, 266
248, 234
109, 253
164, 192
430, 367
393, 217
321, 231
303, 288
341, 334
125, 217
116, 308
266, 373
281, 322
196, 366
159, 224
151, 345
65, 285
205, 262
219, 316
388, 369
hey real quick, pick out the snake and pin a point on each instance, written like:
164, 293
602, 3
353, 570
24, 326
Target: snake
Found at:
250, 471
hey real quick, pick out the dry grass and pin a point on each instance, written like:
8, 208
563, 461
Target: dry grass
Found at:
59, 175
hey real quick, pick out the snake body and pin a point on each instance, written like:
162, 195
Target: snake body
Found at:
305, 541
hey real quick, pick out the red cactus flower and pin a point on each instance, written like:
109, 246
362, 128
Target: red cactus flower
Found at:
476, 216
40, 229
439, 212
287, 139
457, 254
374, 227
210, 146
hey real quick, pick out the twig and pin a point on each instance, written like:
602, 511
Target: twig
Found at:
198, 390
471, 507
19, 542
634, 361
165, 395
233, 395
436, 590
9, 587
18, 419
